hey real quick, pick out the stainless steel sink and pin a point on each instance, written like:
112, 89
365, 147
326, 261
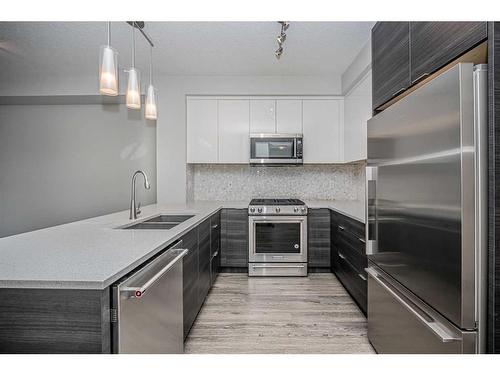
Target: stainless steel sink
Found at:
163, 222
169, 219
145, 225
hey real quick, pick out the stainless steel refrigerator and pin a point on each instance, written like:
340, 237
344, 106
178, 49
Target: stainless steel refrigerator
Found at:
426, 217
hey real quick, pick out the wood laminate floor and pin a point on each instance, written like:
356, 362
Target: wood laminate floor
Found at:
311, 314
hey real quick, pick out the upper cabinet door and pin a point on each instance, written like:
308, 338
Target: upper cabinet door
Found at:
434, 44
202, 131
289, 116
234, 136
262, 116
357, 111
390, 60
322, 129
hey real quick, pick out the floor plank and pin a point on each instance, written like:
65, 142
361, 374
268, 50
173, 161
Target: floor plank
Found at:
307, 315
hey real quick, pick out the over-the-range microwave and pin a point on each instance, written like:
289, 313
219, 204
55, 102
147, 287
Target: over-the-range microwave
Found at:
275, 149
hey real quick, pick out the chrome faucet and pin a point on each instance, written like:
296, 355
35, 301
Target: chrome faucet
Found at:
136, 210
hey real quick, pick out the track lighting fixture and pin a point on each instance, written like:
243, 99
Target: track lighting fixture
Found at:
281, 38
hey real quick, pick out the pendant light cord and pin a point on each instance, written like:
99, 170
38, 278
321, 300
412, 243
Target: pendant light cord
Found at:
109, 33
151, 66
133, 46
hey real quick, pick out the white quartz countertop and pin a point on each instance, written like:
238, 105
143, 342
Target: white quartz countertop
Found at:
353, 209
94, 253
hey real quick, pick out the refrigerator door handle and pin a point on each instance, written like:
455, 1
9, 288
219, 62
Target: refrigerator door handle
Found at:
371, 211
425, 318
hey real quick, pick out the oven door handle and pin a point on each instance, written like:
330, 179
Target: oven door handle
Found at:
278, 266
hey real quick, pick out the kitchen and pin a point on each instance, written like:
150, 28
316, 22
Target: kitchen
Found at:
312, 187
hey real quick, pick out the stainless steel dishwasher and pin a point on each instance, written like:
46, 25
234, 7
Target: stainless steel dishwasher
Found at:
148, 312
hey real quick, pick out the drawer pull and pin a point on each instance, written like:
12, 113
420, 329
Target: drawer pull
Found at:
362, 277
215, 226
341, 256
361, 240
341, 227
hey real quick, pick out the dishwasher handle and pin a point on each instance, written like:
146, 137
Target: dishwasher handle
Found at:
139, 291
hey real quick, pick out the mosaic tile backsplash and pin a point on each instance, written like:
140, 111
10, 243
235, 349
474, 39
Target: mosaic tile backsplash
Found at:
234, 182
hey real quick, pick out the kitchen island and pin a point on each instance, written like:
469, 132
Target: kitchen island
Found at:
55, 283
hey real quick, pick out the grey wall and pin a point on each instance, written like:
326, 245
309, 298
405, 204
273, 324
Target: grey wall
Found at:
61, 163
243, 182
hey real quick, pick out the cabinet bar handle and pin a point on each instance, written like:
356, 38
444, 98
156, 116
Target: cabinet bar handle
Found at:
215, 226
361, 240
341, 227
420, 77
362, 277
399, 91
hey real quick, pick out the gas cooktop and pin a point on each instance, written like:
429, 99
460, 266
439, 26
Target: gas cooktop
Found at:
276, 202
277, 207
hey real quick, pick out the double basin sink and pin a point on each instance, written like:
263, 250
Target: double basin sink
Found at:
160, 222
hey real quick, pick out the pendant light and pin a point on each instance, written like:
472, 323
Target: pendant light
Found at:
133, 95
108, 69
151, 111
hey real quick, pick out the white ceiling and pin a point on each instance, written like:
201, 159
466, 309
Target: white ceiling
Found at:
183, 48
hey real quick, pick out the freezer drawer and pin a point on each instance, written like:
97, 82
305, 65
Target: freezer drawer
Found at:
399, 323
149, 308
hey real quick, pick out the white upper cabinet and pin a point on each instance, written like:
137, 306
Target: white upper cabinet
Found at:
262, 115
357, 111
202, 131
322, 129
289, 116
234, 129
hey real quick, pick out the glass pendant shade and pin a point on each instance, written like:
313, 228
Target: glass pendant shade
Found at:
108, 71
151, 111
133, 95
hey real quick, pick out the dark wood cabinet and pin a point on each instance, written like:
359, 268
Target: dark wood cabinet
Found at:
55, 321
348, 258
234, 238
390, 60
318, 239
405, 53
215, 246
190, 279
435, 44
204, 258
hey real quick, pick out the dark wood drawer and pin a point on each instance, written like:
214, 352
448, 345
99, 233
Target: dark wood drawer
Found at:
353, 256
354, 282
354, 227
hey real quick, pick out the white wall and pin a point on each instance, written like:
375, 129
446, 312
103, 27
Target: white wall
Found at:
359, 67
61, 163
357, 89
171, 132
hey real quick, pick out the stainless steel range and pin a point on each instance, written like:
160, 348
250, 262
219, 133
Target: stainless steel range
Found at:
277, 237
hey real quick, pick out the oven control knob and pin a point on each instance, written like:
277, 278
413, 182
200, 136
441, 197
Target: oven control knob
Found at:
295, 209
259, 210
252, 209
278, 209
303, 209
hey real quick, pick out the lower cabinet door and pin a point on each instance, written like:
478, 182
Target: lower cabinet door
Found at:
190, 279
215, 264
204, 258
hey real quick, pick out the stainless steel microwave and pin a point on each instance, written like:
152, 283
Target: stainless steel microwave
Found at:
275, 149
